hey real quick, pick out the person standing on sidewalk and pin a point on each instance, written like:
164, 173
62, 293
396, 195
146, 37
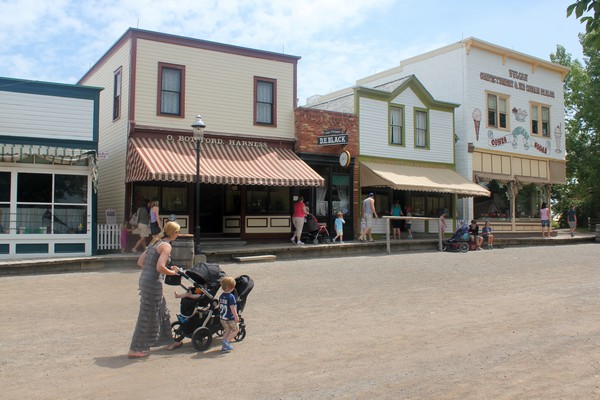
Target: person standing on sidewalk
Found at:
545, 218
572, 220
300, 212
368, 212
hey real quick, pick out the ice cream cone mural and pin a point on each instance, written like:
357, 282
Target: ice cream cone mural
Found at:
558, 137
477, 121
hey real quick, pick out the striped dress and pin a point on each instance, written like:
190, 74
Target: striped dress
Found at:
153, 327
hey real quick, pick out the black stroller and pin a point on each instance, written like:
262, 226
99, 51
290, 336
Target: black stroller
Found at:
199, 318
314, 232
459, 240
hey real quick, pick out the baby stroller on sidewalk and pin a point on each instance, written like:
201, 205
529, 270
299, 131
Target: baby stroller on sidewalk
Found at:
199, 318
459, 240
314, 231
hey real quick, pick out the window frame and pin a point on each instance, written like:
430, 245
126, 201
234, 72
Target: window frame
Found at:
416, 129
402, 125
181, 69
273, 82
117, 93
540, 119
499, 96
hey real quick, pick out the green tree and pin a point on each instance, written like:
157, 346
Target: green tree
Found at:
592, 22
582, 96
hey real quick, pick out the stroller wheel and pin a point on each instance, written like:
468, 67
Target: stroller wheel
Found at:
444, 247
241, 334
177, 331
464, 247
202, 338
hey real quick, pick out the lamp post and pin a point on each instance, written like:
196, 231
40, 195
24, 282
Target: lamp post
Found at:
198, 127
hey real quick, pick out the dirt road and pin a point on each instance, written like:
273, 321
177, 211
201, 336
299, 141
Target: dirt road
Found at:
518, 323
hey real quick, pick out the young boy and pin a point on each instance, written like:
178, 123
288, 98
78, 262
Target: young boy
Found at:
339, 227
228, 312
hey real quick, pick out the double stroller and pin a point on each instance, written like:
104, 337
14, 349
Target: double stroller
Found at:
314, 231
459, 240
199, 318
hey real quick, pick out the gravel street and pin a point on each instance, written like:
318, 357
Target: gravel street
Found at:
514, 323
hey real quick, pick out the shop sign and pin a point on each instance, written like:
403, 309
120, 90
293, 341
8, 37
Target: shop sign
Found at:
332, 137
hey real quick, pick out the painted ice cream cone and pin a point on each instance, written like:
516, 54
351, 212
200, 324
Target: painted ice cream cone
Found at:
477, 121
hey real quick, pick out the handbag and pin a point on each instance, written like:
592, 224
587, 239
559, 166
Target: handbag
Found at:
154, 228
133, 221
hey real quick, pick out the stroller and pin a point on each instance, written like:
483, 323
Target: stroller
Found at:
314, 231
199, 318
459, 240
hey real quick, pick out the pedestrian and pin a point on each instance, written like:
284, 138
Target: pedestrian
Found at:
363, 229
443, 225
396, 223
572, 220
545, 217
300, 213
155, 224
153, 327
408, 223
228, 313
143, 226
339, 227
124, 235
368, 213
486, 232
474, 234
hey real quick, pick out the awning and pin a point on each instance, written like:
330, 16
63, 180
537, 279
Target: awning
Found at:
166, 160
488, 176
404, 177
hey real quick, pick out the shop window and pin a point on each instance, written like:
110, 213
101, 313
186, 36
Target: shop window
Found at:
397, 125
52, 203
429, 204
540, 120
233, 202
171, 199
265, 101
497, 206
171, 82
529, 200
267, 200
5, 186
497, 106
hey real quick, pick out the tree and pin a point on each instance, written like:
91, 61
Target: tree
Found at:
592, 22
582, 95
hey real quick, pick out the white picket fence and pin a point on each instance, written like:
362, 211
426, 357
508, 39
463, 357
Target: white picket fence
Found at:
109, 237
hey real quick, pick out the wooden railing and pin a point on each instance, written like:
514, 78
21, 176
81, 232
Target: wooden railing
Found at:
109, 237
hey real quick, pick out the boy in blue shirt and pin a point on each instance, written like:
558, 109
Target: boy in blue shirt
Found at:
228, 312
339, 227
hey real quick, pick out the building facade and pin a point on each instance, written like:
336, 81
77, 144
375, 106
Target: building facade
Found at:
406, 148
509, 125
48, 176
248, 172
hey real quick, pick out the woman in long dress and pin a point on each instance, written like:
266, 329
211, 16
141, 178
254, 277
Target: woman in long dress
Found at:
153, 327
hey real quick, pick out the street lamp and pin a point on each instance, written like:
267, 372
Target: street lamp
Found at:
198, 127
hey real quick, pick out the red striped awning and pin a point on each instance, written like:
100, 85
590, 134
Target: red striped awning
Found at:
167, 160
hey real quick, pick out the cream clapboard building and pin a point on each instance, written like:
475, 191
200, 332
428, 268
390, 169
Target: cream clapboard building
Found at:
156, 84
509, 125
406, 148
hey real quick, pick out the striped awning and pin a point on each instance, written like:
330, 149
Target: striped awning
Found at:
152, 159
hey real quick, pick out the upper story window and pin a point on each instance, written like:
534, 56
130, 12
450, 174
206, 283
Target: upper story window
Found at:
540, 120
397, 125
117, 94
265, 101
171, 84
421, 131
497, 107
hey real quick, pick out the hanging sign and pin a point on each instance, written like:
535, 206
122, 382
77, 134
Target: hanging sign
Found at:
332, 137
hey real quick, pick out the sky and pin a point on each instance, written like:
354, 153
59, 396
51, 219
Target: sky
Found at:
339, 41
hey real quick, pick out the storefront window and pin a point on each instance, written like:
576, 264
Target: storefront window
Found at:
267, 200
171, 199
233, 202
5, 186
340, 194
52, 203
529, 200
430, 204
496, 206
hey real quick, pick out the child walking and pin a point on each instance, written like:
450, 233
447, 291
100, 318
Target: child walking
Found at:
408, 223
339, 227
124, 235
228, 312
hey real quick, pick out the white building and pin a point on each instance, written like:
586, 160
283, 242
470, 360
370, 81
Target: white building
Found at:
509, 126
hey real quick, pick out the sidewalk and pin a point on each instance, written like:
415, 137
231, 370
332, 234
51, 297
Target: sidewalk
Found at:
223, 254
